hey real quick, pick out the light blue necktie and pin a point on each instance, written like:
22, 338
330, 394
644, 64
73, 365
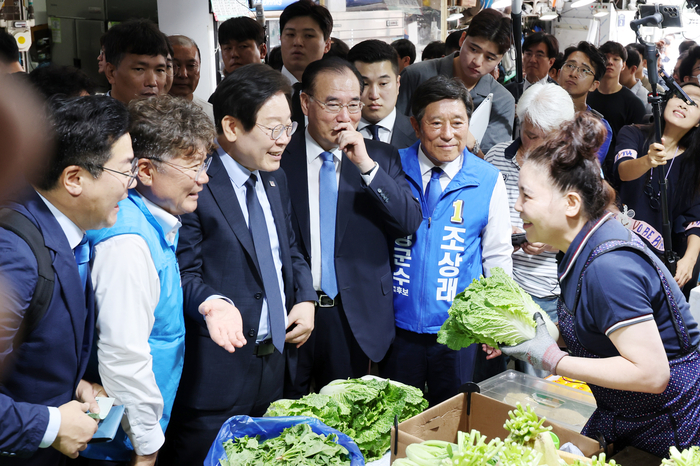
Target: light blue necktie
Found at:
328, 199
433, 190
82, 259
261, 240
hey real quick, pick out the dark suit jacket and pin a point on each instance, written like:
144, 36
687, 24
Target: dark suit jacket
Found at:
403, 135
217, 257
369, 219
47, 366
516, 88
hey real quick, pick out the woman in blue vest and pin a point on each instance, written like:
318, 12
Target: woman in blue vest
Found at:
623, 318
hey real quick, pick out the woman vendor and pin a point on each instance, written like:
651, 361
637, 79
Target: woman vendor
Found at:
638, 167
621, 314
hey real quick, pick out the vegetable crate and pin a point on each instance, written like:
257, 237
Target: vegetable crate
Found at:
465, 412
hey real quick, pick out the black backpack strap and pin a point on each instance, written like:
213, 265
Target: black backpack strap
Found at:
24, 228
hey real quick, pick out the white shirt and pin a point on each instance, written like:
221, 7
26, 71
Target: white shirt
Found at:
496, 245
238, 175
127, 291
206, 106
527, 83
74, 235
288, 74
313, 172
641, 92
386, 127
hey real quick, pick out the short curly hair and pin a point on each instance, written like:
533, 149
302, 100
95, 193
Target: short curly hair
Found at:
166, 127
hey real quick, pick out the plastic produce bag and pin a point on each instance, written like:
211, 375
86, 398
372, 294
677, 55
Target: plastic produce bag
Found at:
271, 427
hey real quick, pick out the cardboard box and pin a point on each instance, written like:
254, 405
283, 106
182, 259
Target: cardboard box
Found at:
469, 411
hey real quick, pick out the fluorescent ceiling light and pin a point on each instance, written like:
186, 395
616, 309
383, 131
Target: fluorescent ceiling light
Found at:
455, 16
501, 4
580, 3
549, 16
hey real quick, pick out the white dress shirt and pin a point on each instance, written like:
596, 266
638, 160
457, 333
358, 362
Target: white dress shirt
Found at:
238, 175
496, 245
74, 235
288, 74
127, 291
206, 106
313, 172
386, 127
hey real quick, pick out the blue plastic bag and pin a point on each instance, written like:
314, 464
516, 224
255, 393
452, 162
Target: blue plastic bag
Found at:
272, 427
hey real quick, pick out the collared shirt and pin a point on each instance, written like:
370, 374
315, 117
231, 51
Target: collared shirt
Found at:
74, 235
449, 169
313, 171
239, 175
386, 127
527, 84
641, 92
288, 74
206, 106
127, 291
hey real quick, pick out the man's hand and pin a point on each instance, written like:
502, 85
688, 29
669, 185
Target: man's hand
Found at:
224, 323
352, 143
76, 430
87, 392
145, 460
302, 314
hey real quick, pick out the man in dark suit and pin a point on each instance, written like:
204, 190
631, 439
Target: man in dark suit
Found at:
350, 200
239, 245
378, 63
43, 398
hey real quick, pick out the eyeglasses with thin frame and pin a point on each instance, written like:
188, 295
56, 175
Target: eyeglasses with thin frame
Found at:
581, 71
197, 169
334, 108
131, 174
276, 132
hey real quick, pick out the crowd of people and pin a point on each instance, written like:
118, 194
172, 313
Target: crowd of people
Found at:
314, 220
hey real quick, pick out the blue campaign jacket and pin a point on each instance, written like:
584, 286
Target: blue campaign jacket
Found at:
167, 339
444, 255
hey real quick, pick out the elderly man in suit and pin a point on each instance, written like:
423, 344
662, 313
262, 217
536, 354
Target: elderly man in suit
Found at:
43, 398
350, 200
378, 63
239, 245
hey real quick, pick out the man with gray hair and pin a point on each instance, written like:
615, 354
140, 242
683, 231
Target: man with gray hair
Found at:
541, 109
187, 61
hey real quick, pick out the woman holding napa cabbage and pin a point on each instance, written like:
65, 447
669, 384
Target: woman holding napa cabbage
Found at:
623, 318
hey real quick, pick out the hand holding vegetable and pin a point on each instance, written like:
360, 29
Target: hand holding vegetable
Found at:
542, 351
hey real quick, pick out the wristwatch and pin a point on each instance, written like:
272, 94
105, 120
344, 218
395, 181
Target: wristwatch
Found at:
475, 150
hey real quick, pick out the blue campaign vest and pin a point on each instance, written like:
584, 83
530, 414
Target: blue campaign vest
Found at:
441, 259
167, 339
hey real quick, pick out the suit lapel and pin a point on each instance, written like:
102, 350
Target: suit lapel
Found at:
225, 197
275, 200
297, 178
350, 182
403, 131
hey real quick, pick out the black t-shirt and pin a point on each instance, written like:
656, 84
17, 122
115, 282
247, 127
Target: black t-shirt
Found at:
619, 109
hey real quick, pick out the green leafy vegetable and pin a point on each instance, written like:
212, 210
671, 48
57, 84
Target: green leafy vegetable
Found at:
687, 457
493, 310
598, 461
363, 409
428, 453
513, 454
472, 450
296, 446
524, 425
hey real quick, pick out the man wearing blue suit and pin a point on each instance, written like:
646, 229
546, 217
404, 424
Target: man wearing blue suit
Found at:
351, 201
239, 245
88, 173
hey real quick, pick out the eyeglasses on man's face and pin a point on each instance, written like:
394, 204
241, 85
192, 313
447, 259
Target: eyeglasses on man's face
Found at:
334, 108
582, 71
276, 132
131, 174
194, 172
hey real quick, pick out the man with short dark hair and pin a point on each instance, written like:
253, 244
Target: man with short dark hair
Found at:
465, 232
239, 245
87, 174
136, 53
579, 75
406, 51
378, 65
539, 52
641, 73
435, 49
482, 48
140, 331
54, 79
452, 41
242, 41
628, 77
9, 54
351, 201
689, 69
615, 102
305, 36
187, 60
